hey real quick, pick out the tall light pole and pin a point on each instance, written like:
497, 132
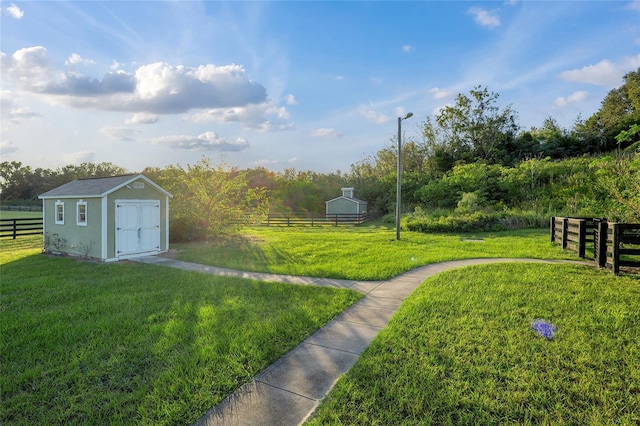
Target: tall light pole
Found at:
399, 181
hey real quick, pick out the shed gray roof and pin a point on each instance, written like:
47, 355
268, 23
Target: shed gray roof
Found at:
355, 200
95, 187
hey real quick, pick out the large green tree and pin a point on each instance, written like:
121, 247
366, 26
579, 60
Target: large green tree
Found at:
474, 128
619, 112
22, 183
210, 200
554, 141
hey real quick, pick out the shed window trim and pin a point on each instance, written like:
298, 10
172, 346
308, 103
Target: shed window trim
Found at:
81, 213
59, 212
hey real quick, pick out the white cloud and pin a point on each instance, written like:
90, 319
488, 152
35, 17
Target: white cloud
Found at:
266, 162
11, 109
373, 116
222, 93
121, 133
325, 132
76, 59
339, 77
438, 93
573, 98
604, 73
291, 100
408, 48
484, 17
162, 88
14, 11
207, 141
157, 88
27, 67
142, 118
263, 117
79, 157
17, 115
377, 81
7, 147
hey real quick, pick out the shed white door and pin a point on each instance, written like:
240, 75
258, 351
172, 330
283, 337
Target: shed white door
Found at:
137, 227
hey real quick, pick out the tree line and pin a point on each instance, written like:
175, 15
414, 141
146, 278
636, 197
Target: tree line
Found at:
476, 130
473, 152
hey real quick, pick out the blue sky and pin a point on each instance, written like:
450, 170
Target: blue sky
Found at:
296, 84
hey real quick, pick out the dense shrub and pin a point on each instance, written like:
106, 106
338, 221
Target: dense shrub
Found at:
479, 221
481, 178
184, 230
575, 186
470, 202
619, 178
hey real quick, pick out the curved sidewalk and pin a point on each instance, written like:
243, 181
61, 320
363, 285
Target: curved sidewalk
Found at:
288, 391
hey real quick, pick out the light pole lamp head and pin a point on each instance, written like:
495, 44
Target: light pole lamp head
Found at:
409, 115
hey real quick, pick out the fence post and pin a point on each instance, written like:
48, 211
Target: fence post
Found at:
15, 228
565, 228
600, 244
582, 243
288, 220
615, 250
553, 229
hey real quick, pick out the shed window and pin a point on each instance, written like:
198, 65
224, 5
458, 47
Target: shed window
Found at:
81, 217
59, 213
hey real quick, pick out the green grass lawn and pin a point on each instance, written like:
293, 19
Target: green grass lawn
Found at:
363, 252
127, 343
461, 351
96, 343
12, 214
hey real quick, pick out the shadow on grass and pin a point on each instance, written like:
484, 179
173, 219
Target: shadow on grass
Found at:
124, 342
241, 252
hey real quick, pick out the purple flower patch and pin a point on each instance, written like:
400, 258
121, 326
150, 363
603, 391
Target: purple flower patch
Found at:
543, 328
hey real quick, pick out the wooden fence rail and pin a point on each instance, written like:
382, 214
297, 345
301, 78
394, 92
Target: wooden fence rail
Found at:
29, 208
621, 239
20, 227
315, 220
614, 244
574, 232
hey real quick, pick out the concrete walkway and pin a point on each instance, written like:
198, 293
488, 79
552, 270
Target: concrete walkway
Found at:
289, 390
